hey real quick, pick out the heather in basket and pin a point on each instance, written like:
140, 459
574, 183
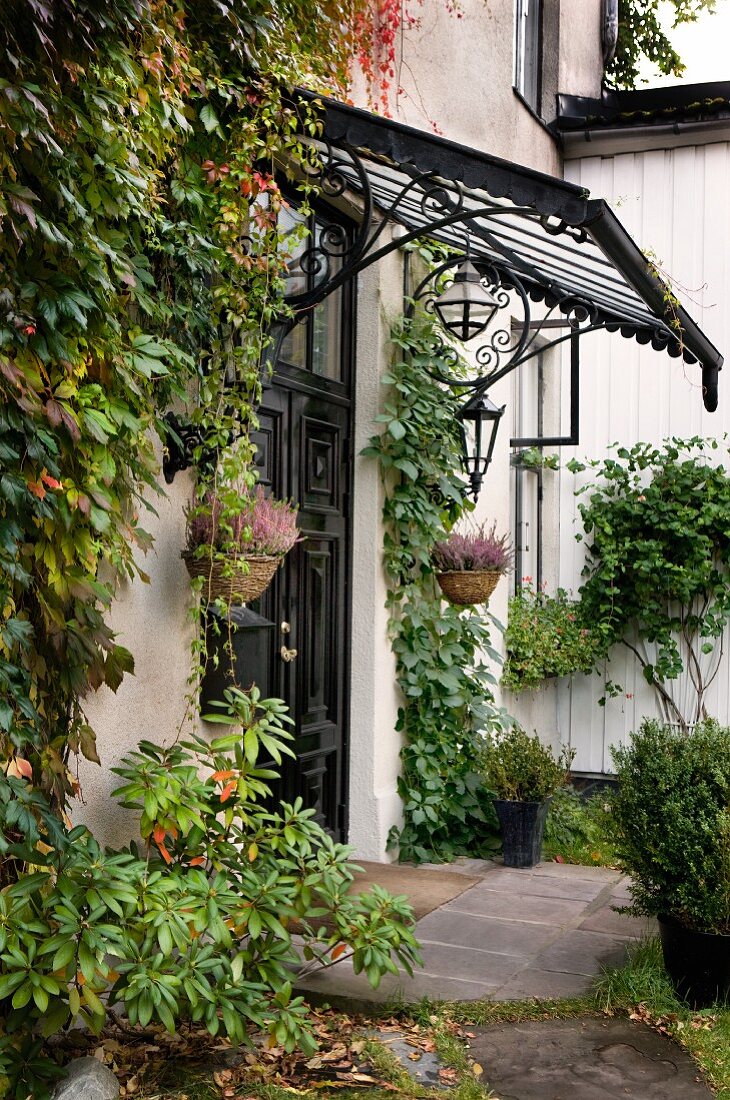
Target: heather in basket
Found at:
264, 526
479, 549
236, 543
469, 564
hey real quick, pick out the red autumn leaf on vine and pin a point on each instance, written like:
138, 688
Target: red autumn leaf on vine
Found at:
228, 791
198, 861
264, 218
214, 171
37, 489
51, 482
24, 767
158, 834
223, 775
338, 950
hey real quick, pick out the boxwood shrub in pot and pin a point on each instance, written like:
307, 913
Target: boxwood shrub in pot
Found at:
670, 826
524, 775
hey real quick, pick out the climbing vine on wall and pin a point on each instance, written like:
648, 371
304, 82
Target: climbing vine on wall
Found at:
441, 651
141, 261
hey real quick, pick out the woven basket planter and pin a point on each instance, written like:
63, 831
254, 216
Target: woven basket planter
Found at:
468, 586
237, 587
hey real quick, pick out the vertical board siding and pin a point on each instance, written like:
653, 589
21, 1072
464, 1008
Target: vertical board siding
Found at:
674, 202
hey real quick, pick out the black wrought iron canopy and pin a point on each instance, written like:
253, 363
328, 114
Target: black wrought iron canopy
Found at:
543, 238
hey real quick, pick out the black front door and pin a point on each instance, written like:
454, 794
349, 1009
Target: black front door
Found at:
303, 445
303, 453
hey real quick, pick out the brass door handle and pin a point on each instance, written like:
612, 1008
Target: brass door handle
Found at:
288, 655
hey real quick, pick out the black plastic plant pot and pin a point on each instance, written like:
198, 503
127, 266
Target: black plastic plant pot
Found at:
697, 962
522, 825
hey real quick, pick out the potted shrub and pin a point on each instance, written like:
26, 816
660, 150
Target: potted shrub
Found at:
670, 827
239, 547
524, 775
469, 565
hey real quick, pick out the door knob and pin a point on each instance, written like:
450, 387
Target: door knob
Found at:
285, 627
288, 655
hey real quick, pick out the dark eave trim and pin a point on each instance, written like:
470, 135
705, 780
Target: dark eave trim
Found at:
429, 153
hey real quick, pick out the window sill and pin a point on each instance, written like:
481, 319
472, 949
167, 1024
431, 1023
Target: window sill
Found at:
531, 111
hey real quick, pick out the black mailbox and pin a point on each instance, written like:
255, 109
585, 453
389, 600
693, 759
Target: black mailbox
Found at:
246, 661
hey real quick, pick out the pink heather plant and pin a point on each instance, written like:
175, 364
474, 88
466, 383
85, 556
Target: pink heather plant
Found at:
479, 549
263, 526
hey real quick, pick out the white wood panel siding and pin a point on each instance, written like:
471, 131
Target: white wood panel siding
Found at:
674, 202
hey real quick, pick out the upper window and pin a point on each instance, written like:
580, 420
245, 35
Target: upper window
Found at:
528, 36
317, 342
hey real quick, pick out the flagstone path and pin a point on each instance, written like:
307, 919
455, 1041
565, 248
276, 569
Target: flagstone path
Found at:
512, 934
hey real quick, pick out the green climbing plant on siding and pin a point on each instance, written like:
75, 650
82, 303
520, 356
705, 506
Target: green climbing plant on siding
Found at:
441, 651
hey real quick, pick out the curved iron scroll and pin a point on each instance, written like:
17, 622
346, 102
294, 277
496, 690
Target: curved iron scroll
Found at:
425, 205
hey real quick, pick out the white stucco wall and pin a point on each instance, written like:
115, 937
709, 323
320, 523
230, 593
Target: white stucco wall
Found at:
152, 621
374, 803
456, 75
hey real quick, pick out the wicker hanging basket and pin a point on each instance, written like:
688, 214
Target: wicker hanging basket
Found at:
224, 580
465, 587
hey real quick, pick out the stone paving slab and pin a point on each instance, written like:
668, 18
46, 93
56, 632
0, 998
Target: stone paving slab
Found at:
508, 937
580, 952
588, 1059
542, 932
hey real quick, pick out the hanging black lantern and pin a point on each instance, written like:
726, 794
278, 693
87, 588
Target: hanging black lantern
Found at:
466, 307
478, 442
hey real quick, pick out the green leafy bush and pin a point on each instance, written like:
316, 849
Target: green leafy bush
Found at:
520, 768
199, 926
576, 830
657, 535
545, 636
670, 822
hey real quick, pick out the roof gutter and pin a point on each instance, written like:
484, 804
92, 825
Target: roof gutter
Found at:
649, 135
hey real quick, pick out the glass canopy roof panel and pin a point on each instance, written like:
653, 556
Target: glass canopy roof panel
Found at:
531, 232
548, 253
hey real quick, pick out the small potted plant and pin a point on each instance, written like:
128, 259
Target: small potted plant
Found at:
238, 547
469, 565
524, 774
670, 827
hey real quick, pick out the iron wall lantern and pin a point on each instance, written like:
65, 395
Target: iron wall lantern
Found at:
466, 307
479, 421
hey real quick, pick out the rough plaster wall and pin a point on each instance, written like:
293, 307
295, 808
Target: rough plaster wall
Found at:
151, 620
457, 75
374, 697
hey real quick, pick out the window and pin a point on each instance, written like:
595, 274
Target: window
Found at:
528, 36
316, 343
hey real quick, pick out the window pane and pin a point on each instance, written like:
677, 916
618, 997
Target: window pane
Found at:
294, 346
327, 337
527, 51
